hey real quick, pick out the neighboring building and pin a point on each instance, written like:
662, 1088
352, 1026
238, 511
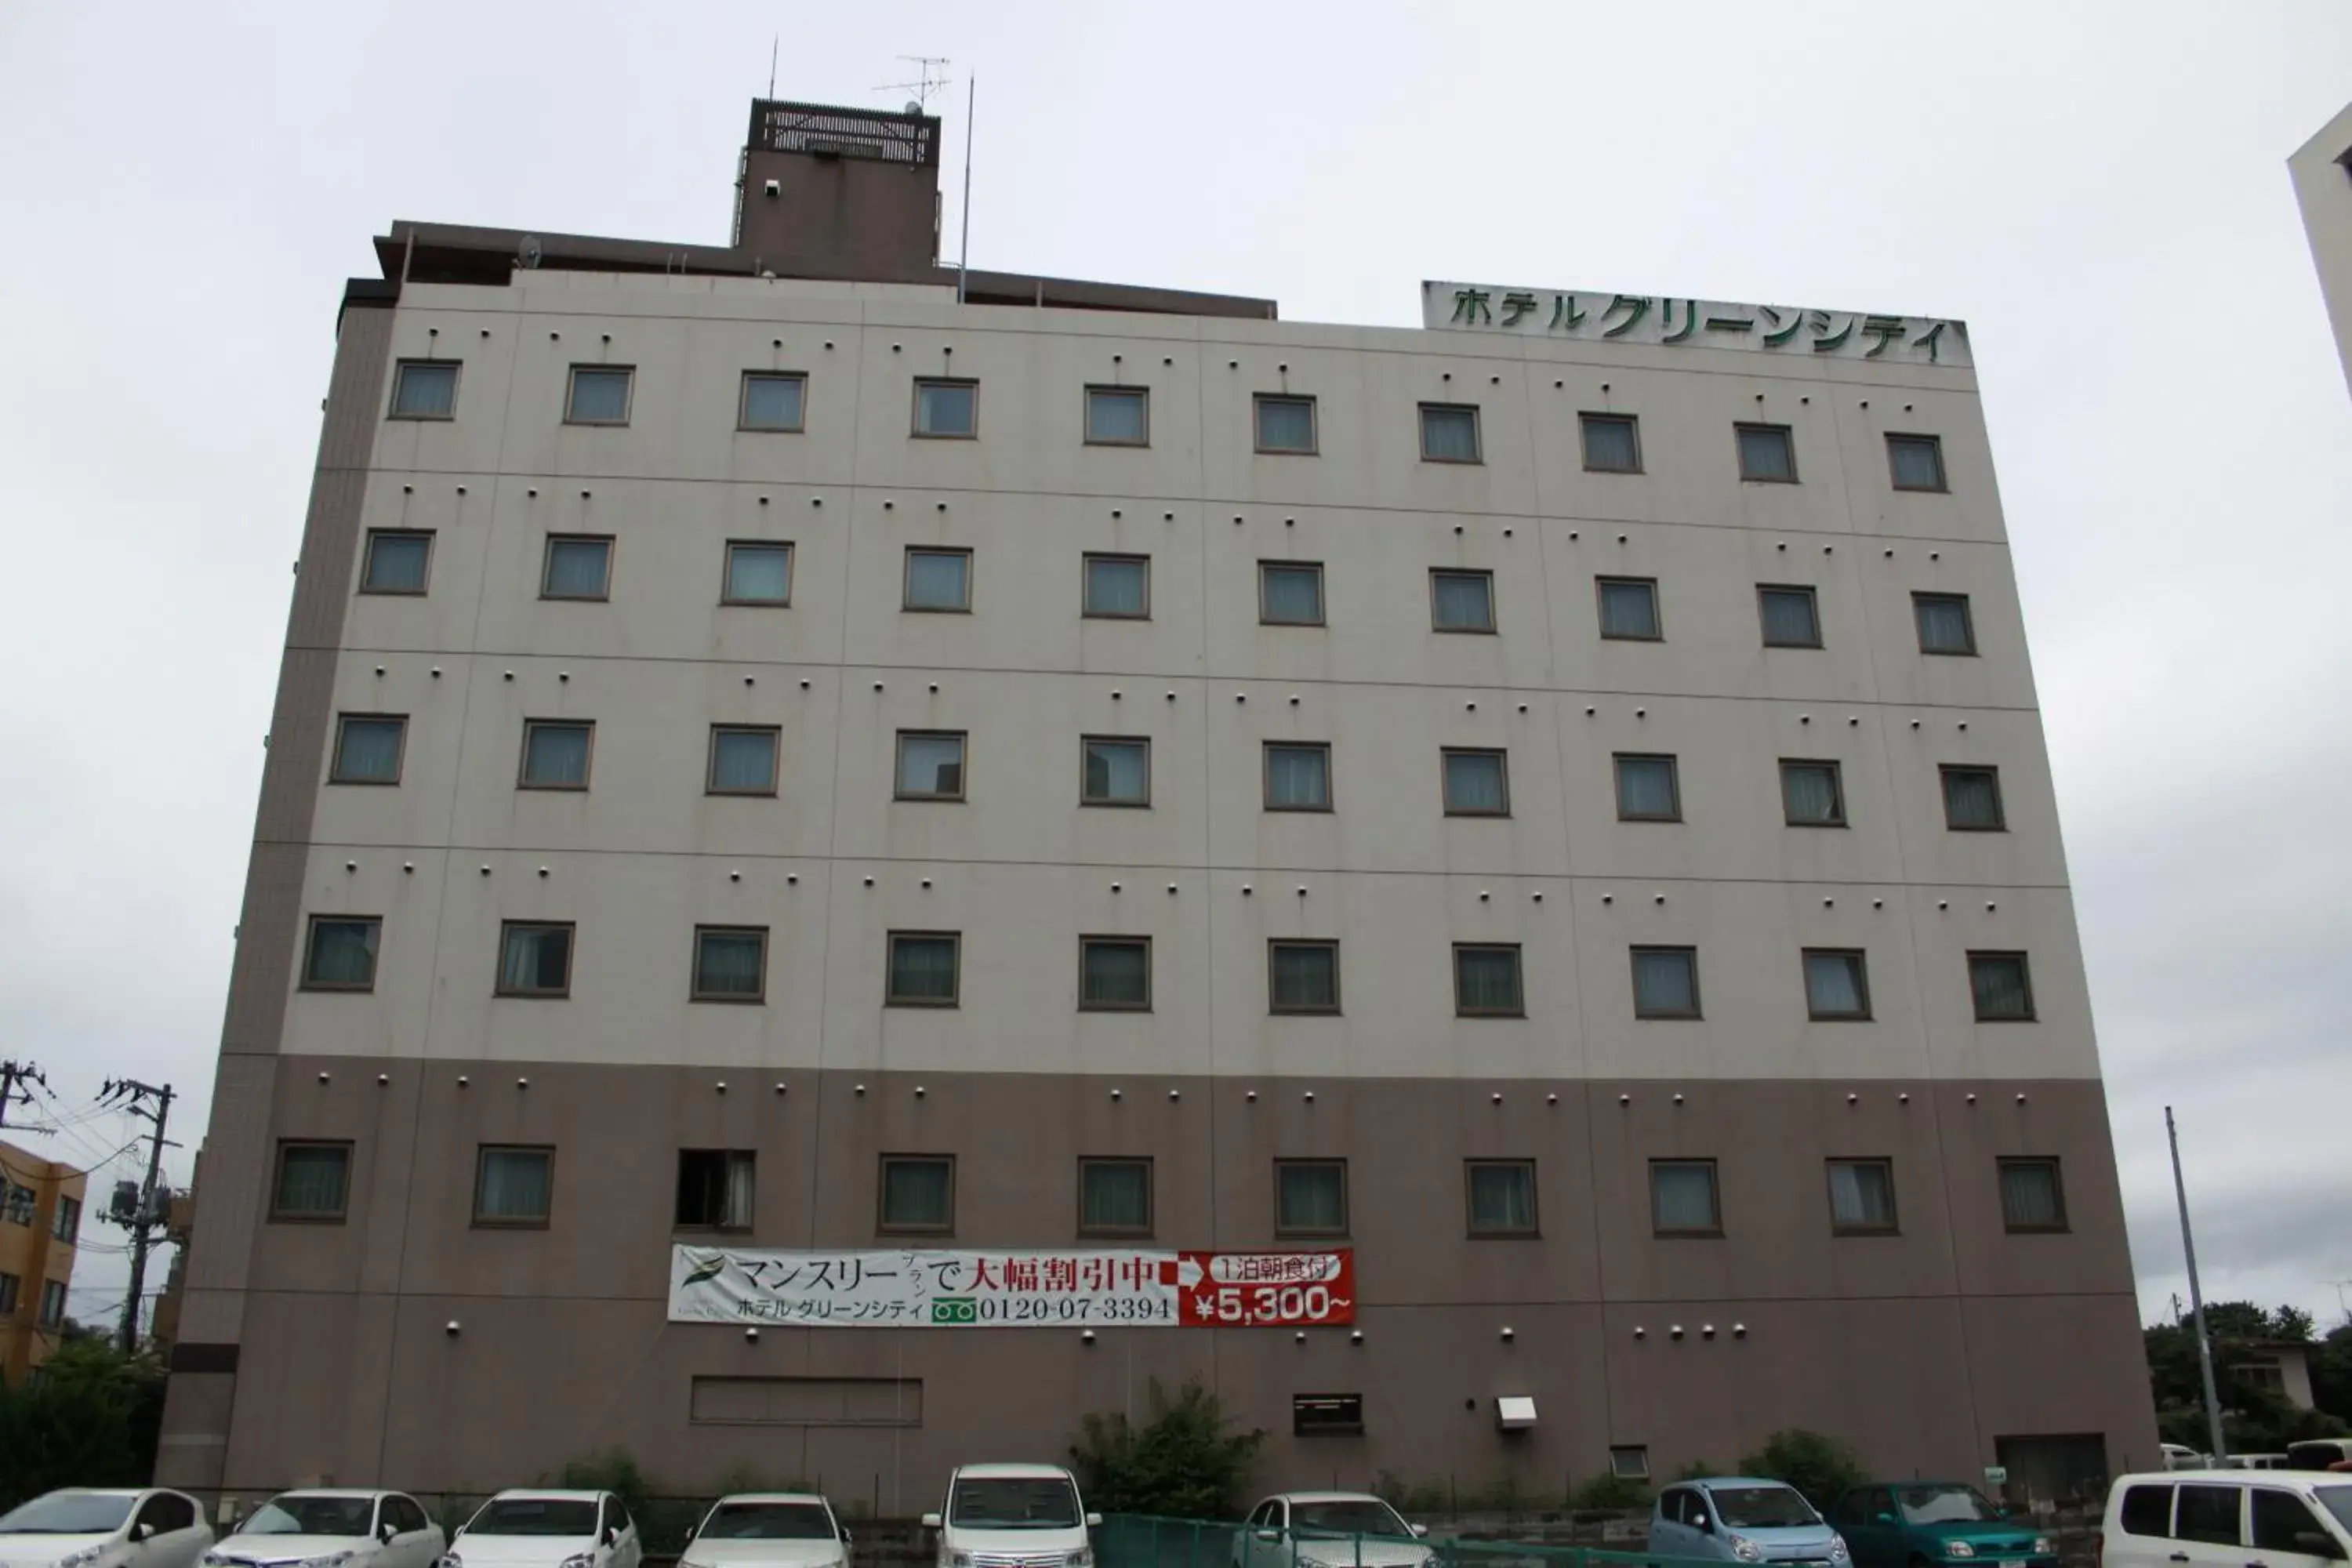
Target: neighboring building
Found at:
1544, 814
2323, 185
2283, 1366
40, 1227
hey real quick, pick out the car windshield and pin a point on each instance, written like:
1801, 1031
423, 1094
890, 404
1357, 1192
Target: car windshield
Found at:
2337, 1501
1946, 1505
535, 1516
1047, 1502
297, 1514
1353, 1516
66, 1513
767, 1521
1761, 1508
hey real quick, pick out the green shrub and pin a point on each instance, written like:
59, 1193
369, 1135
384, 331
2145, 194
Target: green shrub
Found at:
613, 1470
1609, 1492
1814, 1463
1184, 1462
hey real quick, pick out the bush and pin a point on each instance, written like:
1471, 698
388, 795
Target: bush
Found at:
87, 1419
1609, 1492
1186, 1462
613, 1470
1697, 1470
1817, 1464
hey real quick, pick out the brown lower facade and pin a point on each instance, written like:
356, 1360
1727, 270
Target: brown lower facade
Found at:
404, 1343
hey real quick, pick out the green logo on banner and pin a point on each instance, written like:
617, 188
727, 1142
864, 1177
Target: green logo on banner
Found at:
955, 1309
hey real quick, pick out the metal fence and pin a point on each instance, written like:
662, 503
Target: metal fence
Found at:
1140, 1541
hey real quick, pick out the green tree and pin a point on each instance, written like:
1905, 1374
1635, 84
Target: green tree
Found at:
2331, 1372
87, 1416
1814, 1463
1184, 1461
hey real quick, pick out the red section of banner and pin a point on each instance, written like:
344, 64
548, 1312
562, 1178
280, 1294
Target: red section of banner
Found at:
1266, 1289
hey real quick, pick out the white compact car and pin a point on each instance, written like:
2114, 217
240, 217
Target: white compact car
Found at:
1329, 1530
80, 1527
1013, 1516
332, 1527
768, 1529
534, 1529
2227, 1519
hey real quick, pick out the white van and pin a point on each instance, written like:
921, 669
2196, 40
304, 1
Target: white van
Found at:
1013, 1516
2227, 1519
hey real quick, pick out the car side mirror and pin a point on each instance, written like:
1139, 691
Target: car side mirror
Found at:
2318, 1545
142, 1530
612, 1535
930, 1522
1418, 1530
386, 1531
1883, 1519
847, 1538
1698, 1521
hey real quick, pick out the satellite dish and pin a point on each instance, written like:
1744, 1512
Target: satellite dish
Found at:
530, 251
914, 107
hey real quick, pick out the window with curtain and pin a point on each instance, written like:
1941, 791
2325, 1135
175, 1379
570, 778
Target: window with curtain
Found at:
577, 568
1298, 777
514, 1186
1612, 443
947, 408
1917, 462
53, 1303
1792, 617
938, 580
715, 1188
1118, 773
730, 964
65, 1224
313, 1181
12, 1287
2003, 991
1118, 416
1683, 1198
1811, 795
396, 561
918, 1192
600, 394
759, 573
425, 390
922, 969
341, 954
1972, 800
367, 749
1284, 424
1665, 982
1502, 1196
1117, 588
1477, 784
1647, 789
1449, 432
1944, 624
1310, 1197
743, 760
1461, 601
2031, 1195
534, 960
1837, 984
1114, 974
772, 402
1303, 976
555, 753
1115, 1197
1290, 594
1766, 452
1861, 1195
1486, 981
1629, 608
930, 766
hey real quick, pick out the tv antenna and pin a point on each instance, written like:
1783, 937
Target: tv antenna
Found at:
930, 79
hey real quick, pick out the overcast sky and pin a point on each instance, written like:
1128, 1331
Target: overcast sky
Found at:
2099, 189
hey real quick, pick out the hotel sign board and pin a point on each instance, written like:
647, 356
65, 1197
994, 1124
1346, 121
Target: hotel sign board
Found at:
1672, 321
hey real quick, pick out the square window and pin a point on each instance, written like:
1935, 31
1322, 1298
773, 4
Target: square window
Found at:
1648, 789
1683, 1198
1813, 793
1284, 424
1114, 974
1449, 432
923, 969
1461, 601
576, 568
758, 573
1486, 981
1612, 443
1502, 1195
1629, 608
1114, 1197
1477, 784
1310, 1197
1945, 626
730, 964
1792, 617
1290, 592
1862, 1197
1917, 461
340, 952
397, 561
12, 1289
1298, 776
1117, 588
1837, 984
1117, 773
947, 409
555, 753
1972, 800
930, 764
773, 401
599, 395
938, 580
1630, 1461
2002, 988
534, 959
1767, 454
1665, 982
313, 1182
1302, 976
514, 1187
743, 760
1321, 1416
368, 747
424, 389
2032, 1196
715, 1188
918, 1192
1119, 416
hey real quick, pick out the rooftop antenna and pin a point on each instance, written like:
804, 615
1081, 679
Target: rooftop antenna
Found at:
930, 79
963, 245
774, 43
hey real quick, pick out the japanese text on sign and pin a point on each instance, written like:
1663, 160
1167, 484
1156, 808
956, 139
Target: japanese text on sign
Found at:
1594, 316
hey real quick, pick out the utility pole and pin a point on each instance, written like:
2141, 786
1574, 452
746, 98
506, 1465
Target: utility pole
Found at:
147, 1216
2196, 1297
14, 1076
